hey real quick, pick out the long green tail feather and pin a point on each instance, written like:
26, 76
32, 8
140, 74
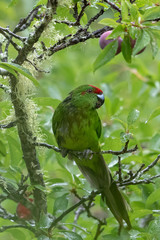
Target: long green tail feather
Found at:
98, 174
117, 204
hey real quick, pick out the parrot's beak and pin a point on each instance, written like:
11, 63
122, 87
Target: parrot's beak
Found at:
100, 101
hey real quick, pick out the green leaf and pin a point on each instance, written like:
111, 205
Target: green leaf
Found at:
125, 137
133, 116
43, 237
2, 149
133, 31
123, 124
154, 114
141, 42
126, 48
9, 69
139, 213
117, 31
103, 5
152, 13
71, 235
152, 25
78, 227
40, 187
76, 179
154, 228
124, 10
13, 3
14, 149
106, 55
155, 142
25, 72
39, 2
134, 13
44, 221
153, 43
17, 233
155, 32
113, 143
60, 203
109, 22
153, 197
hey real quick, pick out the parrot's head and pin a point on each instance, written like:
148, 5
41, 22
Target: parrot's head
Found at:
87, 96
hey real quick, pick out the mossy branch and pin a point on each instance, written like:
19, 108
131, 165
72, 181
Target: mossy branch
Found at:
28, 149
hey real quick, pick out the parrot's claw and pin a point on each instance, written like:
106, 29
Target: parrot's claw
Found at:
87, 154
64, 152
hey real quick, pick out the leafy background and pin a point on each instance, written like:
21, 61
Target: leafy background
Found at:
132, 96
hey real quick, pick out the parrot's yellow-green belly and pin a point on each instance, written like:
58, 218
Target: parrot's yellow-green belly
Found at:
80, 138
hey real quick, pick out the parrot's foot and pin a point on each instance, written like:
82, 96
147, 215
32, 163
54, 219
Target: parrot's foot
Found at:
64, 152
86, 154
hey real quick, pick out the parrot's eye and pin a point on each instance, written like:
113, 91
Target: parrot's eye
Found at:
89, 90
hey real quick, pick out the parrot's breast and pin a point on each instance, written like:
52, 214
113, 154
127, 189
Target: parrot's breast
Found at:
77, 131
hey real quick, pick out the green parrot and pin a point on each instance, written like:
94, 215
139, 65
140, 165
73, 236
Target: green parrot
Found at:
77, 127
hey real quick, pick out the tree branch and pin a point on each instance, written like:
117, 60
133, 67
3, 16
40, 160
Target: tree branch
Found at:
149, 166
24, 131
37, 69
83, 200
26, 22
34, 37
99, 230
75, 39
113, 5
2, 30
89, 214
132, 180
124, 150
94, 18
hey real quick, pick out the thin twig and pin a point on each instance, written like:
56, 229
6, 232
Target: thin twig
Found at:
99, 230
12, 34
85, 4
83, 200
75, 9
37, 69
26, 22
120, 170
87, 207
150, 165
48, 146
15, 45
94, 18
124, 150
121, 151
113, 5
137, 182
138, 171
78, 212
8, 125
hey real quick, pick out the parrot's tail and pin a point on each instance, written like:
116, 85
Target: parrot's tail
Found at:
117, 204
98, 174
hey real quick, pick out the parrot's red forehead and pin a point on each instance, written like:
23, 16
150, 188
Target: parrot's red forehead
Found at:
96, 90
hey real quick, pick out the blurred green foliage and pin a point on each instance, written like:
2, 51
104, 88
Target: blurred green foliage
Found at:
132, 97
